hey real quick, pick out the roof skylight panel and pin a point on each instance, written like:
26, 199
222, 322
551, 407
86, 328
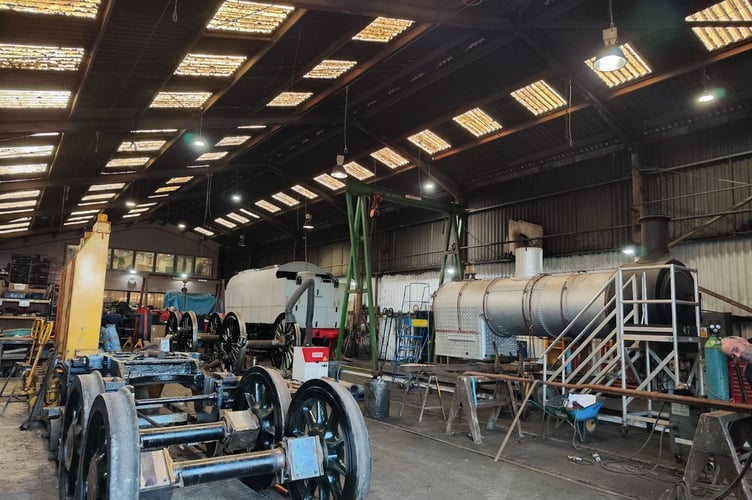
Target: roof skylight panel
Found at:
232, 140
305, 192
252, 127
269, 207
429, 142
212, 156
198, 166
160, 195
539, 98
98, 196
249, 17
107, 187
390, 158
179, 180
136, 161
180, 99
166, 189
286, 199
357, 170
15, 225
717, 37
636, 67
9, 205
249, 213
226, 223
77, 8
9, 152
203, 230
18, 195
40, 57
209, 65
329, 69
34, 99
238, 218
329, 181
289, 99
383, 29
131, 215
138, 210
477, 122
155, 131
33, 168
141, 146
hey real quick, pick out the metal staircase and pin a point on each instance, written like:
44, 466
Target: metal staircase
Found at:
620, 346
413, 329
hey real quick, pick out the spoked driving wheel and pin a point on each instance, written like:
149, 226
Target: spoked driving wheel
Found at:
215, 324
83, 390
110, 461
187, 337
265, 393
232, 343
288, 335
325, 409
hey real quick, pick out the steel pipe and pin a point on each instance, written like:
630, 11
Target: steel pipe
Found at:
165, 436
230, 466
176, 399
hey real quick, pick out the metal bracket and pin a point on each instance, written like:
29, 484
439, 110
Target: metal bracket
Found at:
304, 458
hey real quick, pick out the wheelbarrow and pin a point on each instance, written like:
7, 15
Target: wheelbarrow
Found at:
584, 420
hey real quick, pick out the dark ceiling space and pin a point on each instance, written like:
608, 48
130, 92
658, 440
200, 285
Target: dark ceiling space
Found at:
456, 55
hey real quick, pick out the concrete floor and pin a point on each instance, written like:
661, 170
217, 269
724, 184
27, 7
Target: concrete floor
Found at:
414, 460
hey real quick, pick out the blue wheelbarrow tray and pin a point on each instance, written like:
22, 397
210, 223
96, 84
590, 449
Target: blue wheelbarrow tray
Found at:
583, 420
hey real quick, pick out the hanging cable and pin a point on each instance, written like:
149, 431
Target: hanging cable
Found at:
207, 201
175, 12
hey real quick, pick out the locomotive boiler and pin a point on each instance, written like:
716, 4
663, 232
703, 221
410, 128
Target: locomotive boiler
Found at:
471, 316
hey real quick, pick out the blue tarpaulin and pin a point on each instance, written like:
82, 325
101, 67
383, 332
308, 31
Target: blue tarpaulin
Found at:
199, 303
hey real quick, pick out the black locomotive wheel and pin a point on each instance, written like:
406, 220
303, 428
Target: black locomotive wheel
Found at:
188, 332
287, 334
232, 343
110, 462
265, 393
327, 410
215, 324
171, 325
83, 390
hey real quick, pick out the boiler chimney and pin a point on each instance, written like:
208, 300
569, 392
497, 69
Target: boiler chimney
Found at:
654, 236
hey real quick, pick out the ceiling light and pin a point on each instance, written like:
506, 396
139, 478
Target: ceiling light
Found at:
428, 186
708, 94
80, 8
308, 222
390, 158
130, 203
241, 241
305, 192
181, 225
203, 230
236, 197
610, 57
338, 172
249, 17
628, 250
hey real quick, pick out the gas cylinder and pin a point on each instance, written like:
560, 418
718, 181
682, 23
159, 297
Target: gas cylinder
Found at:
716, 370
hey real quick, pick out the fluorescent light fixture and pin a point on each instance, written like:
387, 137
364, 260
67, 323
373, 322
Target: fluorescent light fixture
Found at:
286, 199
636, 67
147, 205
305, 192
357, 170
390, 158
429, 142
10, 152
226, 223
717, 37
130, 215
203, 230
84, 212
91, 203
329, 69
198, 166
34, 168
34, 99
238, 218
78, 8
40, 57
383, 29
249, 17
477, 122
179, 180
269, 207
539, 98
193, 100
329, 181
140, 146
252, 127
161, 195
289, 99
138, 210
216, 155
232, 140
209, 65
249, 213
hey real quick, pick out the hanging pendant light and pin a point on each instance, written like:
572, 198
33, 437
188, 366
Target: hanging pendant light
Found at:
611, 57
